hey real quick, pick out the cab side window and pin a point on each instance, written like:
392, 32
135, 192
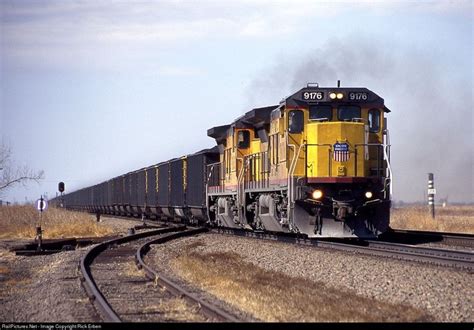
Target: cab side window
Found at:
320, 112
295, 121
243, 139
374, 120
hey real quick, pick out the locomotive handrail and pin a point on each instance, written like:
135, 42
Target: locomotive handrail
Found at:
257, 170
387, 144
290, 177
329, 157
379, 166
210, 167
385, 148
240, 188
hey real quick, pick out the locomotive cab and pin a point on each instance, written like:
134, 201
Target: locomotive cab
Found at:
344, 160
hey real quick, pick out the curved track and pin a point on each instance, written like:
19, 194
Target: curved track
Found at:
210, 310
111, 306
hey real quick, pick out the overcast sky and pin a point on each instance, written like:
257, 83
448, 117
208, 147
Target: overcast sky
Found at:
93, 89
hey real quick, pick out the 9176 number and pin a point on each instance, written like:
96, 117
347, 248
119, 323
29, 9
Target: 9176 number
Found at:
358, 96
313, 95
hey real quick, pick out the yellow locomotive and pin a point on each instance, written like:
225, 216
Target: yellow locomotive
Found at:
316, 164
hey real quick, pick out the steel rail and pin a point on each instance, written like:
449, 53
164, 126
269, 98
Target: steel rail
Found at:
431, 255
208, 309
459, 239
95, 295
443, 257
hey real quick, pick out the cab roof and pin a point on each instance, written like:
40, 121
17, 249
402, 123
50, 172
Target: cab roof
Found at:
314, 95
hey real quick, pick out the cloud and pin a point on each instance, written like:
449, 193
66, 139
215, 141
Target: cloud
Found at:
179, 71
72, 33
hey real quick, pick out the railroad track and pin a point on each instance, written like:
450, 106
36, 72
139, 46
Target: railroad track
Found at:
118, 296
397, 244
419, 237
463, 260
210, 310
393, 235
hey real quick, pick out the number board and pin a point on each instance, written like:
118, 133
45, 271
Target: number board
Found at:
313, 96
358, 96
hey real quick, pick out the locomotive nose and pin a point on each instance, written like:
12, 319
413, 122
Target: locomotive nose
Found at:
336, 149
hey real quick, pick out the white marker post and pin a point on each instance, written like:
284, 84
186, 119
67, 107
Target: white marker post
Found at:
431, 194
41, 205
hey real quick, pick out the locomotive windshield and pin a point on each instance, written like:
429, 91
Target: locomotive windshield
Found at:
318, 112
348, 112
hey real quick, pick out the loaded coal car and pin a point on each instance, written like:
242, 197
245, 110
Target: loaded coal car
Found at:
163, 193
126, 195
177, 186
141, 198
110, 196
132, 189
196, 183
181, 189
152, 209
117, 199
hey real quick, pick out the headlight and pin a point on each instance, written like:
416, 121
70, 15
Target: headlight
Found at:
339, 96
368, 195
332, 96
317, 194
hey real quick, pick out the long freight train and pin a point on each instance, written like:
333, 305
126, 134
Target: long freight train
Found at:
317, 164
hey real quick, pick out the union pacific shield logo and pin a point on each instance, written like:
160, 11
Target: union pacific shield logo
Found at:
341, 152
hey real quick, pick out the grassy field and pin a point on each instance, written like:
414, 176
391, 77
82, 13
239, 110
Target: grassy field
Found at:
265, 294
20, 222
458, 219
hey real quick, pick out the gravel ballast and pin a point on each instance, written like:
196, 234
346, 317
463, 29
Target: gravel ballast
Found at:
44, 289
445, 294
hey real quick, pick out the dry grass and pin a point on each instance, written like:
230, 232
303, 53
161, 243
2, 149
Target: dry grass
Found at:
276, 297
454, 219
130, 269
175, 309
10, 279
20, 222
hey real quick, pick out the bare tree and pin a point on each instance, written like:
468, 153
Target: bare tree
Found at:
11, 174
